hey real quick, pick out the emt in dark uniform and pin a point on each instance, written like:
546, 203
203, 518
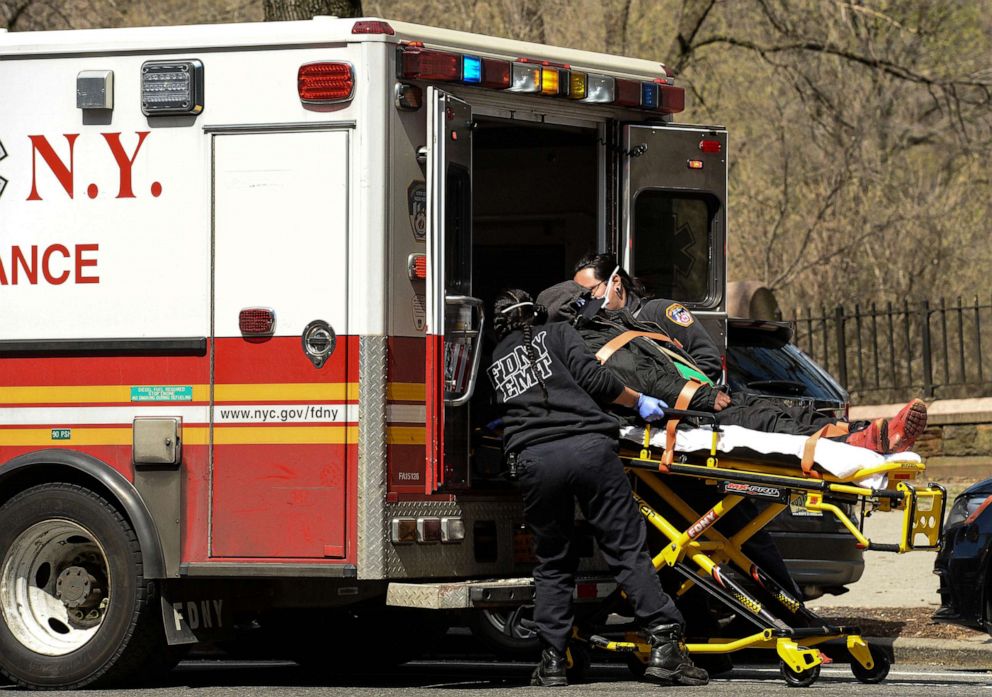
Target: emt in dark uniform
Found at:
551, 388
598, 272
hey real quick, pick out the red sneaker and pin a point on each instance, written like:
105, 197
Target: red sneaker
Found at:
906, 426
896, 435
871, 438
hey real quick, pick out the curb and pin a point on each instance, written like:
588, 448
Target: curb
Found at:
944, 652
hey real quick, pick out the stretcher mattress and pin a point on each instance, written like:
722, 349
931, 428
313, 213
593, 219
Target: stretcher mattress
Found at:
839, 459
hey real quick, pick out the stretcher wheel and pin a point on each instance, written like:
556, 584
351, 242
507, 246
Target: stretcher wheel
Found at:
803, 678
876, 674
581, 661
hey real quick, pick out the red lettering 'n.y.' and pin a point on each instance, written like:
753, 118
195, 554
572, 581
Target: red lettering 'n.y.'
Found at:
41, 146
124, 163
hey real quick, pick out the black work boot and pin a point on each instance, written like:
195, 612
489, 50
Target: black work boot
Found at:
550, 672
670, 663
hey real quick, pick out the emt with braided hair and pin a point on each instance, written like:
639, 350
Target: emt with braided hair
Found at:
552, 390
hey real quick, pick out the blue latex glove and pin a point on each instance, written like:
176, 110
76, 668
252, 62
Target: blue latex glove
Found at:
650, 408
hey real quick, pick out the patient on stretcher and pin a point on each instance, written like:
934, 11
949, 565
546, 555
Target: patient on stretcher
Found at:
641, 355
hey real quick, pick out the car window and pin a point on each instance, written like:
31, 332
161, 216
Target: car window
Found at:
772, 367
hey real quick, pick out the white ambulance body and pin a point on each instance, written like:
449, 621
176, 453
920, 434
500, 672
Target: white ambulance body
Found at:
243, 270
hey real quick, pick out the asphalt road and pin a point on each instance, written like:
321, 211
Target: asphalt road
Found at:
452, 678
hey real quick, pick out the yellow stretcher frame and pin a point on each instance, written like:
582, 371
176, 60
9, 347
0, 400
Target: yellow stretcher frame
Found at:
922, 514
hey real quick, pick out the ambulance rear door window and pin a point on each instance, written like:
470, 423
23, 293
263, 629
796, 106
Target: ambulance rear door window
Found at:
672, 244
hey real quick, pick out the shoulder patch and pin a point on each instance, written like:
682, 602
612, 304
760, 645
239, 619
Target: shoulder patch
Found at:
679, 315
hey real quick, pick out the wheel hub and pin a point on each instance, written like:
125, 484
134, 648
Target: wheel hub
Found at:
78, 588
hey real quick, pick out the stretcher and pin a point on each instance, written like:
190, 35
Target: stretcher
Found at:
771, 469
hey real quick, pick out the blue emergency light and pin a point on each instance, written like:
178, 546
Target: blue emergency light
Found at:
649, 95
471, 69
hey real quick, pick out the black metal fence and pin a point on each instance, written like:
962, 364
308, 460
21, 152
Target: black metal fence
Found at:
894, 352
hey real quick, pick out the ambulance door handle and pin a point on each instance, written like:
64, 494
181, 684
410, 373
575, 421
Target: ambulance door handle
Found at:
422, 155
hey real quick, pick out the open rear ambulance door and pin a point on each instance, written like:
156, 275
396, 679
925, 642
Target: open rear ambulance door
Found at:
674, 215
454, 317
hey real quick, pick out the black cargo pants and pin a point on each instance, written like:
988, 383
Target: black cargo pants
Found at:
585, 468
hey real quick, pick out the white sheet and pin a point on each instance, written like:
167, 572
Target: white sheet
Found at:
839, 459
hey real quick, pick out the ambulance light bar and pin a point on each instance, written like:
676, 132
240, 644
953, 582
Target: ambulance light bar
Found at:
414, 62
171, 87
325, 83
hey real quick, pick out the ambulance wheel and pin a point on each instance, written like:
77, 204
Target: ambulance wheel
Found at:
502, 631
876, 673
803, 678
75, 609
578, 672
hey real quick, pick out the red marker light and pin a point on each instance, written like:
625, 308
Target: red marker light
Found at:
417, 267
710, 146
372, 28
257, 321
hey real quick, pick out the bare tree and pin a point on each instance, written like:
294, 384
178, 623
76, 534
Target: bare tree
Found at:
279, 10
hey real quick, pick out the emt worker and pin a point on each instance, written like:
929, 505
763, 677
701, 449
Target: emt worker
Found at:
550, 388
626, 300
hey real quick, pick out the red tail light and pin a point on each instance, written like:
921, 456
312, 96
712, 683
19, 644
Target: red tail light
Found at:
372, 28
585, 591
257, 321
325, 83
710, 146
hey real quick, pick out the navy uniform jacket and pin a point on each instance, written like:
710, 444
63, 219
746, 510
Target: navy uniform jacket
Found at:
577, 385
677, 322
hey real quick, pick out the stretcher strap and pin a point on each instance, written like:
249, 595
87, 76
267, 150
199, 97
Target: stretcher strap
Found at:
618, 342
809, 449
682, 402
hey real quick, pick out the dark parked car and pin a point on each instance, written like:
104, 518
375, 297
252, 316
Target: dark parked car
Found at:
762, 360
963, 561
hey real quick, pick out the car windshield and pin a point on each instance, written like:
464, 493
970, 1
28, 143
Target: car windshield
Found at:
764, 364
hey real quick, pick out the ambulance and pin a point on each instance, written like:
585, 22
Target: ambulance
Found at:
244, 278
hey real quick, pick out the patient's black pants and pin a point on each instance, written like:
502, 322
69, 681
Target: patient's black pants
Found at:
585, 469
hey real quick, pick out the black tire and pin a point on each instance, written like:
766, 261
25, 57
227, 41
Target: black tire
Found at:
128, 640
803, 678
490, 627
877, 673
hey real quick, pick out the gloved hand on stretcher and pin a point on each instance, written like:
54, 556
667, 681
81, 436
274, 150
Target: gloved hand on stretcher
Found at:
651, 408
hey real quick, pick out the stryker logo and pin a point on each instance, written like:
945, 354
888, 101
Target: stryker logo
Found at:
752, 490
697, 528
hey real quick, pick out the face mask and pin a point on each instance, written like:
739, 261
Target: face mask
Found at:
587, 308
